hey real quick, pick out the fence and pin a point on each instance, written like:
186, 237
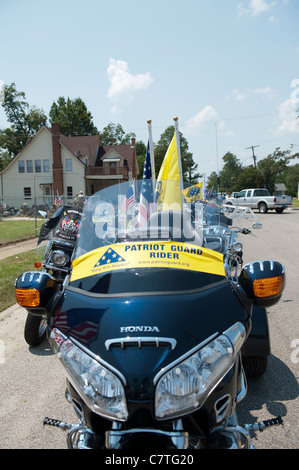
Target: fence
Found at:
20, 207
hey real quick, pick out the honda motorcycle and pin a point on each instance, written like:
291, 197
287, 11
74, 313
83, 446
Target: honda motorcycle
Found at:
55, 247
156, 322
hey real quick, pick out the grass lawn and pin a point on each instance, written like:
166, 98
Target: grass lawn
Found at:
16, 230
10, 269
295, 203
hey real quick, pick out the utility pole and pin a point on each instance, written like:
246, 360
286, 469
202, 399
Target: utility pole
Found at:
254, 161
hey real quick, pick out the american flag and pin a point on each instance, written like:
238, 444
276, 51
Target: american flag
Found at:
129, 199
146, 194
58, 201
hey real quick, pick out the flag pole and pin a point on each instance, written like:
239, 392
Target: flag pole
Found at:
177, 136
151, 148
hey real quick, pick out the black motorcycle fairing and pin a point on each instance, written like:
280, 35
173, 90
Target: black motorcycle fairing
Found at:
92, 320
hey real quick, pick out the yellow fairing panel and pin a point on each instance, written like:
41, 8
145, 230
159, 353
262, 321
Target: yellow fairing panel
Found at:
152, 254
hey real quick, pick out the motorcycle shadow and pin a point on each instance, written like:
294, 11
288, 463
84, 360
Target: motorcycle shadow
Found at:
43, 349
277, 386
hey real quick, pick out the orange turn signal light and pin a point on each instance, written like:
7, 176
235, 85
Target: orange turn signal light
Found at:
268, 287
28, 297
37, 264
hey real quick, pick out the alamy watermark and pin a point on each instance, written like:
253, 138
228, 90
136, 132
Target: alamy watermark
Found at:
295, 352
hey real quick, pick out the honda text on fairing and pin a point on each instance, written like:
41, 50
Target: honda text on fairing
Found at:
155, 322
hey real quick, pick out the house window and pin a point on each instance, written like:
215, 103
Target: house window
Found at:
21, 164
27, 193
46, 166
112, 164
29, 166
69, 191
68, 164
38, 166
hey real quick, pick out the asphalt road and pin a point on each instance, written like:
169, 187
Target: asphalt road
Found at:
32, 383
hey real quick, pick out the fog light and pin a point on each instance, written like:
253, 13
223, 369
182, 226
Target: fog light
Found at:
28, 297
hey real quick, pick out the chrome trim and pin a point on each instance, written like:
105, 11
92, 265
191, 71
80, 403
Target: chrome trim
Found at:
179, 438
100, 360
224, 408
243, 391
236, 334
140, 340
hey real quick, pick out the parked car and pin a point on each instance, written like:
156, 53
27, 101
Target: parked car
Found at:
259, 198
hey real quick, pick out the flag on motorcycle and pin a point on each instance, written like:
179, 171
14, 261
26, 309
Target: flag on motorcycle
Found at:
58, 201
194, 193
63, 225
129, 199
167, 193
146, 193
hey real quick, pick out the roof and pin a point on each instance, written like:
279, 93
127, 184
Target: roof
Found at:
83, 145
126, 151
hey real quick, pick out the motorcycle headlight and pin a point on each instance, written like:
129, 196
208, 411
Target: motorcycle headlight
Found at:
185, 387
59, 258
99, 387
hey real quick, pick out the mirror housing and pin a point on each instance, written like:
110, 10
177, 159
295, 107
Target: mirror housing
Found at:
263, 281
34, 290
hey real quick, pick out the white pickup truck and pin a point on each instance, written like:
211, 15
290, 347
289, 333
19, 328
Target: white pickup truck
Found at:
259, 199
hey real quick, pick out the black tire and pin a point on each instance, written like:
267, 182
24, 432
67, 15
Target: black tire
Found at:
35, 329
255, 366
279, 210
263, 208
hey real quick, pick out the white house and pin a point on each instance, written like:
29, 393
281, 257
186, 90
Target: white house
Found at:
52, 163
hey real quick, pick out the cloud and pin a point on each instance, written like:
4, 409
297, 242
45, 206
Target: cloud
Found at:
256, 7
288, 111
240, 95
123, 85
207, 114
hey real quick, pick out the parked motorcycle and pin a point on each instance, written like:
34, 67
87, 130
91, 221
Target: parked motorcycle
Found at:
55, 245
154, 322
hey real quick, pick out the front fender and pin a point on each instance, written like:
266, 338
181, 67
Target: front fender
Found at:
258, 341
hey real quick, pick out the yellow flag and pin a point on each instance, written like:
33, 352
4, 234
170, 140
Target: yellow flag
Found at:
167, 193
193, 193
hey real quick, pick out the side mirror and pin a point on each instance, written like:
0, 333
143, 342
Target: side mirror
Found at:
34, 290
263, 282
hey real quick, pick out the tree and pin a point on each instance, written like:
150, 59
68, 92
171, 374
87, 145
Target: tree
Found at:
230, 173
73, 117
212, 181
113, 134
271, 167
247, 178
189, 167
25, 122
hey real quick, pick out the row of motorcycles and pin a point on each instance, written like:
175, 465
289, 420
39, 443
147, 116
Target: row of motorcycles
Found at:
157, 325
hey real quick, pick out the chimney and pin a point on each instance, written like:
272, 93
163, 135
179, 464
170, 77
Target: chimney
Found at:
57, 164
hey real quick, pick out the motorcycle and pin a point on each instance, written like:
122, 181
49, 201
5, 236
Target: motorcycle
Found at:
59, 234
156, 322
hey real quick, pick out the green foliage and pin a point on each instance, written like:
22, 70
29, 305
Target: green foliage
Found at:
270, 170
113, 134
73, 117
25, 122
189, 167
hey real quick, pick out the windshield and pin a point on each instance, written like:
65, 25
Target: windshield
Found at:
126, 212
130, 228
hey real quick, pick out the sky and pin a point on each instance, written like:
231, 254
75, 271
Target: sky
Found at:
228, 69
